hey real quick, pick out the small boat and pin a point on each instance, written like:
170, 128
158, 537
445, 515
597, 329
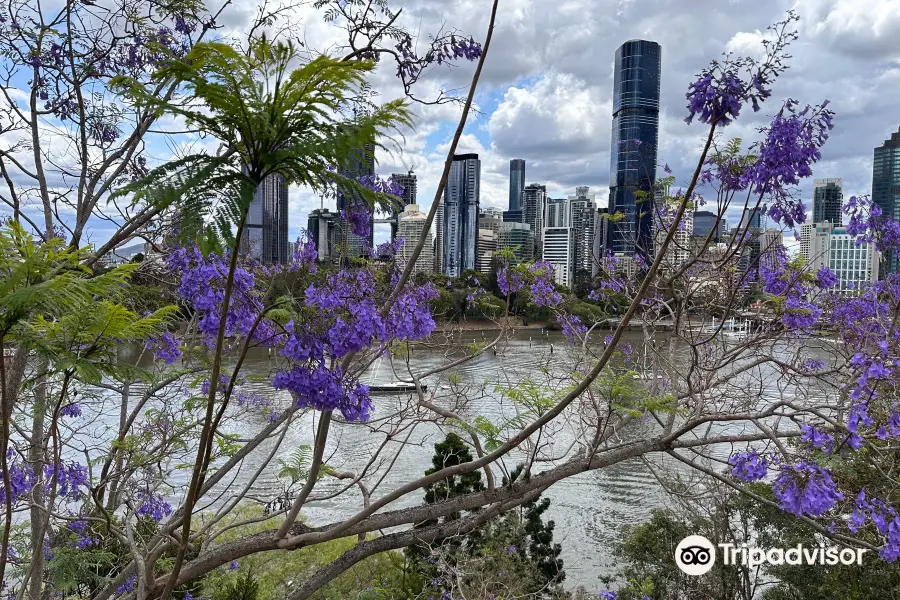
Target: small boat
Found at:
395, 388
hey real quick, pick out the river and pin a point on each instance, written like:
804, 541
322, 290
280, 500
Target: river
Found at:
590, 510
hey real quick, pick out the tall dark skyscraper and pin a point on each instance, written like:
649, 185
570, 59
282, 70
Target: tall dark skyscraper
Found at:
364, 164
828, 197
516, 191
635, 130
886, 189
265, 235
516, 182
409, 183
461, 204
534, 207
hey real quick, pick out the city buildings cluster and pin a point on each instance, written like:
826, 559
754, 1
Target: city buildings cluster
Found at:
574, 233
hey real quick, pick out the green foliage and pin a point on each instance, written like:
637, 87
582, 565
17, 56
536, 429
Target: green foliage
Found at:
450, 453
271, 116
647, 552
244, 587
277, 573
52, 305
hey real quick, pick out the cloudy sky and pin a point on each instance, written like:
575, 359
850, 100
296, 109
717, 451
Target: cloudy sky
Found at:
545, 94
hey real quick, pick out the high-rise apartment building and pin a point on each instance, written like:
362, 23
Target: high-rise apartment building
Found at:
556, 212
439, 238
322, 226
856, 265
534, 202
362, 165
582, 220
558, 249
815, 243
771, 247
489, 223
461, 202
828, 197
409, 184
265, 234
886, 189
680, 246
410, 227
705, 222
518, 238
825, 244
635, 131
516, 183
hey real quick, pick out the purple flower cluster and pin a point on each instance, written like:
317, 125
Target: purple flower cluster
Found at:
359, 216
749, 466
72, 409
153, 505
826, 279
792, 144
165, 347
70, 478
82, 534
305, 254
202, 286
509, 280
443, 50
716, 98
806, 488
817, 439
322, 388
571, 326
21, 479
778, 278
129, 584
885, 519
346, 319
543, 288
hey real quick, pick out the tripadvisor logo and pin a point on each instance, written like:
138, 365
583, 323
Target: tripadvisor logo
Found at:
696, 555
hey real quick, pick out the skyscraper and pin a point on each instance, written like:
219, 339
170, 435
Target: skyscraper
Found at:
516, 183
265, 234
439, 238
750, 229
706, 221
635, 130
461, 201
582, 219
518, 238
322, 225
533, 206
489, 222
363, 164
411, 226
557, 249
854, 264
827, 199
409, 183
886, 188
556, 213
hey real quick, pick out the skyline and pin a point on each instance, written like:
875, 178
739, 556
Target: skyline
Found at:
546, 97
842, 46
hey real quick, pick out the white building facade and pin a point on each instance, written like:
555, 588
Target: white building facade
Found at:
855, 265
410, 225
558, 250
